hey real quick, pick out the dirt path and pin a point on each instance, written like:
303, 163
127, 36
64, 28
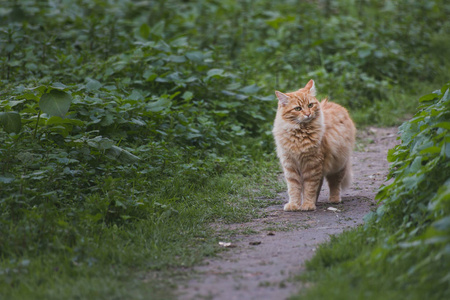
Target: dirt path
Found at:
270, 250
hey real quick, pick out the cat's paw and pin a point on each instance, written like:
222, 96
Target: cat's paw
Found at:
291, 207
308, 206
335, 199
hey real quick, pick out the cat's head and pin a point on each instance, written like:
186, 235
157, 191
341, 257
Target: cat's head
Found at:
300, 106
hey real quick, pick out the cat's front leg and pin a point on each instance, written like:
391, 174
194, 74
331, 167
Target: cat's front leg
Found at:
294, 183
312, 183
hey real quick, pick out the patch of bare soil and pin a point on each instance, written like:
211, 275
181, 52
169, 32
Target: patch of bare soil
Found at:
267, 252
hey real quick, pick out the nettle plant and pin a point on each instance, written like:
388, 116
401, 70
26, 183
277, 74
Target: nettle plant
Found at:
44, 114
416, 205
49, 102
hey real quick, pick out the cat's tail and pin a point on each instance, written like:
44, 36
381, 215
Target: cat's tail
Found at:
347, 180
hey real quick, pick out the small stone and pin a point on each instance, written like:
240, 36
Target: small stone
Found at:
227, 245
255, 243
270, 233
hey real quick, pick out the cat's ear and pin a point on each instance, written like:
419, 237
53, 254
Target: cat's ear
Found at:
282, 98
311, 87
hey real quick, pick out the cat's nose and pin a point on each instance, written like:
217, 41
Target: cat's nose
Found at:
307, 115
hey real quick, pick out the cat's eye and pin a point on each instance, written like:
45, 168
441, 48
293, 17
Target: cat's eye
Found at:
310, 105
298, 108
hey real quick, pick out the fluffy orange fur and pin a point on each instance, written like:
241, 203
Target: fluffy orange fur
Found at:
314, 140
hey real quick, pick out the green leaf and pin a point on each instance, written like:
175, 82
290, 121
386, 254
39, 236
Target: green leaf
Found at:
121, 155
14, 103
7, 178
416, 165
432, 149
138, 122
55, 103
159, 105
92, 84
180, 42
176, 58
150, 76
59, 86
442, 224
55, 120
195, 56
105, 144
250, 89
317, 43
445, 125
428, 97
144, 31
187, 95
215, 73
446, 95
364, 53
11, 121
135, 95
158, 28
276, 22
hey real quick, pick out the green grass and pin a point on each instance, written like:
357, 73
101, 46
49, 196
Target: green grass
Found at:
108, 261
355, 265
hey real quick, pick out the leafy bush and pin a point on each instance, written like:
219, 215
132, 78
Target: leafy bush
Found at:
421, 168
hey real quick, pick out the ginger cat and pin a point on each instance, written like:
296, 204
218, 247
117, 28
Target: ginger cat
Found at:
314, 140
